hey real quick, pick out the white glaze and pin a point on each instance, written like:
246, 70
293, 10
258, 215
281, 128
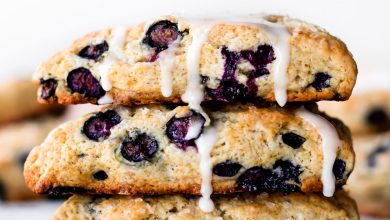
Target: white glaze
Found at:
167, 61
194, 93
330, 143
113, 55
194, 129
205, 144
105, 100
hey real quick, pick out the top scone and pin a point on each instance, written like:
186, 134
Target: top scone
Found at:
269, 58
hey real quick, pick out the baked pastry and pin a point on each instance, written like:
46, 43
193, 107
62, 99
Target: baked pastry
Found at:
155, 150
263, 206
18, 101
270, 58
367, 112
370, 182
17, 140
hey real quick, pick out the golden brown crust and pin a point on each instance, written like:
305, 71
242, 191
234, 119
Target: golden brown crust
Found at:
137, 81
56, 163
263, 206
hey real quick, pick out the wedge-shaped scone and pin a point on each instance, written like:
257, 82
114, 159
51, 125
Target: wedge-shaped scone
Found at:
151, 150
269, 58
370, 182
243, 207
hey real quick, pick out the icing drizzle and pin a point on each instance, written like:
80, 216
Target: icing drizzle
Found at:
330, 143
167, 60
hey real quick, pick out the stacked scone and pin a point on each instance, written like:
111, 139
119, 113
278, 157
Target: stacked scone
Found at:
192, 112
24, 123
368, 115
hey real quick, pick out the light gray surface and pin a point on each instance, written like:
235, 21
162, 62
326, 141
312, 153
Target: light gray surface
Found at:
38, 210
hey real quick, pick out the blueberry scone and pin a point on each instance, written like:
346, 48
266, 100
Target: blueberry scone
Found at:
367, 112
17, 140
243, 207
271, 58
160, 150
18, 101
370, 182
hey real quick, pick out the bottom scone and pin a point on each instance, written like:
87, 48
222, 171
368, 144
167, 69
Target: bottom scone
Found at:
263, 206
369, 184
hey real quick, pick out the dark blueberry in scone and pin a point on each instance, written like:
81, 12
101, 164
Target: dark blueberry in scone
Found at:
93, 52
100, 175
177, 130
22, 158
60, 191
378, 118
227, 169
293, 140
321, 81
339, 169
261, 57
230, 66
2, 191
284, 176
161, 34
372, 157
48, 88
228, 91
82, 81
139, 147
97, 127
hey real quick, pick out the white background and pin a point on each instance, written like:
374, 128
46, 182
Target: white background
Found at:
33, 30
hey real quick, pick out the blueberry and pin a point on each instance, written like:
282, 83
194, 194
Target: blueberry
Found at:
293, 140
97, 127
177, 129
61, 191
231, 61
22, 158
228, 91
321, 81
284, 176
371, 159
261, 57
378, 118
100, 175
227, 169
48, 88
82, 81
2, 191
339, 169
161, 34
139, 147
93, 52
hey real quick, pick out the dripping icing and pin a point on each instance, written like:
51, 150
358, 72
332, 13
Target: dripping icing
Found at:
330, 143
167, 60
105, 100
113, 55
205, 144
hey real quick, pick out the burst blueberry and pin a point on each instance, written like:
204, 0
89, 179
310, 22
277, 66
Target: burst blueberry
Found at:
93, 51
48, 88
228, 91
284, 176
293, 140
82, 81
98, 127
161, 34
321, 81
177, 129
227, 169
139, 147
